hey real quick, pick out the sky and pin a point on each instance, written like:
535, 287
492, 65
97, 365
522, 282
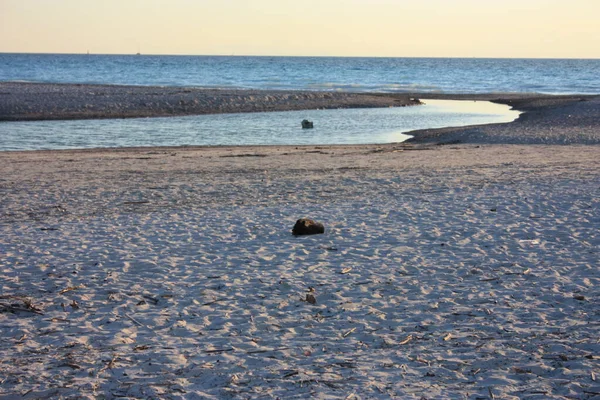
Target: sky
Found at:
375, 28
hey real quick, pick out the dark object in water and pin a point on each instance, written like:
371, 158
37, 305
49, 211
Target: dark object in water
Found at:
306, 124
305, 226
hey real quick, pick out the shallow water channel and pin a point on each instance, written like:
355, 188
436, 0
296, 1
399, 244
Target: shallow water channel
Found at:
343, 126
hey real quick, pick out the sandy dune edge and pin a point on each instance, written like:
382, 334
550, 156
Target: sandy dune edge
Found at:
445, 271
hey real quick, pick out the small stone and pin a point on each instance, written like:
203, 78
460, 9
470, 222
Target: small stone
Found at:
306, 226
306, 124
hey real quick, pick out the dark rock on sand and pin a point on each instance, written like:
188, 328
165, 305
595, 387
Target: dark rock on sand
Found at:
305, 226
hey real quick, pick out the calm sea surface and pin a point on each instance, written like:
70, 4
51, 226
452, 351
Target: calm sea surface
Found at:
351, 126
449, 75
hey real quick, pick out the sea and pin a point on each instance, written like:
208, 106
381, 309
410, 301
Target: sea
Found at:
358, 74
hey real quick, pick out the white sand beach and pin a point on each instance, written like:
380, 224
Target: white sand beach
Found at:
456, 271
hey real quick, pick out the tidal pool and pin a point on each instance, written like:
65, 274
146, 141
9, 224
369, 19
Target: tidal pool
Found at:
342, 126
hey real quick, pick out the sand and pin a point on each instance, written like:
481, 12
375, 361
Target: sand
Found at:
45, 101
465, 270
559, 120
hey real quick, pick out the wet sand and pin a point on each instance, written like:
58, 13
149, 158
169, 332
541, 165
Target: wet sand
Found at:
557, 120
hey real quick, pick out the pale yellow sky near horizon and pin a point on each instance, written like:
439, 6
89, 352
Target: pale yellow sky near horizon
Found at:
384, 28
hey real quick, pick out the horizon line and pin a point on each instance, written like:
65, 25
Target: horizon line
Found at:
297, 56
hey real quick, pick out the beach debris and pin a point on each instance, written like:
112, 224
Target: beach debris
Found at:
306, 226
492, 279
267, 350
134, 320
346, 270
152, 299
290, 374
110, 365
348, 333
408, 339
24, 304
70, 288
306, 124
213, 302
420, 360
216, 351
519, 370
70, 365
346, 364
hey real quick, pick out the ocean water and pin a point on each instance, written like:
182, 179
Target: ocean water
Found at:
349, 126
432, 75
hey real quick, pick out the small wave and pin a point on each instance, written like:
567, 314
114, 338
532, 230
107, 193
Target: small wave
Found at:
376, 88
20, 81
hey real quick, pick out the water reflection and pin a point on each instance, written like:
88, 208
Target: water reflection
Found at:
353, 126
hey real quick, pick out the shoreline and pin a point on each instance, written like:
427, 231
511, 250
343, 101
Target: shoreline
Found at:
545, 119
